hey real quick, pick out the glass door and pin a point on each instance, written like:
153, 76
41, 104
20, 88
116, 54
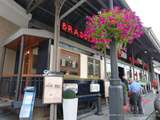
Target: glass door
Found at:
30, 61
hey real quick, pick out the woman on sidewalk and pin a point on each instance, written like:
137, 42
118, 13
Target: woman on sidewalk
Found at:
135, 90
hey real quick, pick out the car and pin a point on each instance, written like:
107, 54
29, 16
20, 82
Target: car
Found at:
157, 105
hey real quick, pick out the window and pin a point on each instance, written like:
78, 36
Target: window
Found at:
69, 63
93, 68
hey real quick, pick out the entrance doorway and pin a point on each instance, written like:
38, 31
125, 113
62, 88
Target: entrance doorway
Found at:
121, 72
30, 60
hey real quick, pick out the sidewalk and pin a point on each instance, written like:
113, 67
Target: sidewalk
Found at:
147, 105
8, 115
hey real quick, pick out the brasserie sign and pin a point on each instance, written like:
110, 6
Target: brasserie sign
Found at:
68, 28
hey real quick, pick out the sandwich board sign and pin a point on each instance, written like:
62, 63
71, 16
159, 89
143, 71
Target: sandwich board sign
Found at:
26, 111
53, 88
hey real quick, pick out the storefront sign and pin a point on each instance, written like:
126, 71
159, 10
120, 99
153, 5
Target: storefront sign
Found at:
94, 87
52, 89
68, 28
134, 61
122, 54
138, 62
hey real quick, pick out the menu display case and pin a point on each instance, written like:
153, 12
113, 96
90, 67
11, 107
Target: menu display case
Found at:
69, 62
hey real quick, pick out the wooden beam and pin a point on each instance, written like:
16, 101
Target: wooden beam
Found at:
92, 6
101, 2
35, 6
40, 25
72, 9
84, 8
62, 3
30, 4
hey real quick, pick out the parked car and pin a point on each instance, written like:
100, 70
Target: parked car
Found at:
157, 105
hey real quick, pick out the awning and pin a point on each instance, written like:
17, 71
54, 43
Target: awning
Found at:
43, 17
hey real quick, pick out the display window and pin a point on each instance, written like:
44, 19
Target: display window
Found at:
93, 68
69, 62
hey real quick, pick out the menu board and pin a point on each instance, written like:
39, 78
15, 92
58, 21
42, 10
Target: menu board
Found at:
52, 90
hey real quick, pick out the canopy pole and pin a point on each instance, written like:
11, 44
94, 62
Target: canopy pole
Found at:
151, 71
54, 64
133, 63
115, 88
2, 60
19, 77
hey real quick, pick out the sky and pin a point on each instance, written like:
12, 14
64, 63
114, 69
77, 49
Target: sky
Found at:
149, 13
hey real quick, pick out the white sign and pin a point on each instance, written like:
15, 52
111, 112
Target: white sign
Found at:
94, 87
72, 86
106, 88
52, 89
25, 111
27, 106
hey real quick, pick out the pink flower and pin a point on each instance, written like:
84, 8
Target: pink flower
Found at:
122, 24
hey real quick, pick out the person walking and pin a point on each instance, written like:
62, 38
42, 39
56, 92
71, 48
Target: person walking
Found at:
135, 89
124, 84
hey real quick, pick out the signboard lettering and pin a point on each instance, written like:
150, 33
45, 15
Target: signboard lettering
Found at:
68, 28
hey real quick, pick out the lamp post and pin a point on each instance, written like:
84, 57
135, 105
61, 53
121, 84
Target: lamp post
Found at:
115, 89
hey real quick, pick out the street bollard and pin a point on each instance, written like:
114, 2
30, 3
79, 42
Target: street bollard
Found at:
99, 106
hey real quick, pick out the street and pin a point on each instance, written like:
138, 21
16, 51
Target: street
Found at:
147, 101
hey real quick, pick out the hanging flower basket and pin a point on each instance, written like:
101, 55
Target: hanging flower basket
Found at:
122, 25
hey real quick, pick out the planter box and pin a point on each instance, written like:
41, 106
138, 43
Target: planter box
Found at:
70, 107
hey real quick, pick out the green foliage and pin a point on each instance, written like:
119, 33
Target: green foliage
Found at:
69, 94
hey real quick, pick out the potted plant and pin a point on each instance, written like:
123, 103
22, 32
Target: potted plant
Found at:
70, 105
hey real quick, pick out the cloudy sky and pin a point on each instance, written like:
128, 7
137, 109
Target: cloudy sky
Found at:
149, 12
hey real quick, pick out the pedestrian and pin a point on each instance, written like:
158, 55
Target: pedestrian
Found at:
135, 90
125, 81
124, 84
124, 93
130, 98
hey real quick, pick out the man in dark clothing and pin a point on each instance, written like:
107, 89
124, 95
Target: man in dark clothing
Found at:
124, 84
135, 90
124, 93
124, 80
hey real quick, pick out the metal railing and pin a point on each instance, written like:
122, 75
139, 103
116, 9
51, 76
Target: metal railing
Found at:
8, 85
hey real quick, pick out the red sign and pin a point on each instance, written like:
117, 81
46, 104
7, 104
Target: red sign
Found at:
122, 54
134, 61
155, 83
68, 28
138, 62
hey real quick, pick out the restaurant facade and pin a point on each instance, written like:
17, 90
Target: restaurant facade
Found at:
76, 61
27, 52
